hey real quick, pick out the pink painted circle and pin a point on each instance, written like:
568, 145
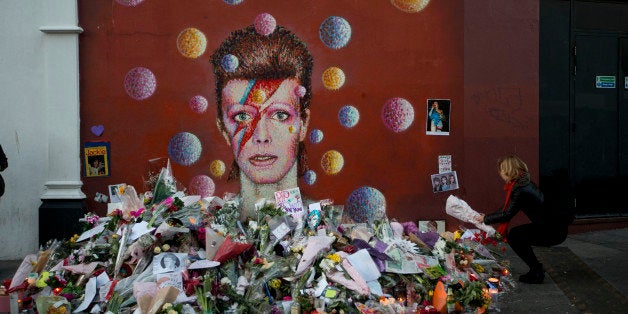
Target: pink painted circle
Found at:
198, 104
265, 24
202, 185
397, 114
140, 83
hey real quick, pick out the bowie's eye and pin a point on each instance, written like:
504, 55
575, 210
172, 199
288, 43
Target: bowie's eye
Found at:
281, 115
241, 117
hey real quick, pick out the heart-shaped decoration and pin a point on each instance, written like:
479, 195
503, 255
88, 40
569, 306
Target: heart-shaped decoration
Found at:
98, 129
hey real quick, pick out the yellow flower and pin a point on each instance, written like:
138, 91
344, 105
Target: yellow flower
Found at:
334, 257
41, 281
157, 250
457, 234
166, 306
165, 247
274, 283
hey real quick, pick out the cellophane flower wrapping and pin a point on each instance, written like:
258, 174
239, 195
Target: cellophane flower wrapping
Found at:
459, 209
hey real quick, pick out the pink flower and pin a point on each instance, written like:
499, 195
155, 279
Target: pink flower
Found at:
137, 213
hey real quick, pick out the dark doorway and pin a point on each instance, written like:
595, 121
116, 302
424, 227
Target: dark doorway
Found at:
583, 98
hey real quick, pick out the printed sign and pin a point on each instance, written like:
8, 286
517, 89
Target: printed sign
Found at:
602, 81
96, 159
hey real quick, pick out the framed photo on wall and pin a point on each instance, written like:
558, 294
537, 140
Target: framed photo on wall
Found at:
438, 119
97, 161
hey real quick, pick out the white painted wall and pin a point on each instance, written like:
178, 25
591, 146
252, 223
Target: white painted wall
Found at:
39, 116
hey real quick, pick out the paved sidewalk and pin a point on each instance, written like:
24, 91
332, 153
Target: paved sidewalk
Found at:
603, 254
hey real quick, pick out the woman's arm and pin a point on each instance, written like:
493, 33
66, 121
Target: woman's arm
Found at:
505, 215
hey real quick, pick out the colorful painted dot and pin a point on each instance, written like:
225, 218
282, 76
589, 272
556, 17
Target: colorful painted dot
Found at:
365, 205
202, 185
348, 116
258, 96
335, 32
332, 162
217, 168
333, 78
229, 63
410, 6
397, 114
300, 91
191, 43
198, 104
316, 136
233, 2
140, 83
184, 148
309, 177
265, 24
129, 3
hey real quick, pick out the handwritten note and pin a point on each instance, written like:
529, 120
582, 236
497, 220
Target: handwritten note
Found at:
444, 163
290, 201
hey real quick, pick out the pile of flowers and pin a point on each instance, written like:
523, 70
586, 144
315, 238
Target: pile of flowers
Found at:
167, 252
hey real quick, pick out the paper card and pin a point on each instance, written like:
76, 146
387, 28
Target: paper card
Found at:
213, 241
437, 226
443, 182
139, 229
91, 232
444, 163
168, 262
280, 227
114, 192
290, 201
97, 160
281, 230
170, 280
363, 263
438, 116
90, 293
113, 206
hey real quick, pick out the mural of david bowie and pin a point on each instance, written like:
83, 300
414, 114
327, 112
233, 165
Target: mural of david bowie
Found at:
263, 109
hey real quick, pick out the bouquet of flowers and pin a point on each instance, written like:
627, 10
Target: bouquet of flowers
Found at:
167, 252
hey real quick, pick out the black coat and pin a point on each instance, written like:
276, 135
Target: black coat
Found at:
527, 197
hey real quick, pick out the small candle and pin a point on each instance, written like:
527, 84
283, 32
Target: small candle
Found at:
493, 283
505, 272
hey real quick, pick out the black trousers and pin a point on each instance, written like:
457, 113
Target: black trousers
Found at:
522, 238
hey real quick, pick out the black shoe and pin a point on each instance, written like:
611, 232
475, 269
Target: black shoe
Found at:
534, 276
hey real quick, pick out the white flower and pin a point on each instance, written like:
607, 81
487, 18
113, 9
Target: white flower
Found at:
253, 225
166, 306
225, 281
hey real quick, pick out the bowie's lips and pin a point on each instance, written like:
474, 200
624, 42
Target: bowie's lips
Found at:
262, 160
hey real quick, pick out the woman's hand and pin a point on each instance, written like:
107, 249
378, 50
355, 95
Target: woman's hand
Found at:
480, 219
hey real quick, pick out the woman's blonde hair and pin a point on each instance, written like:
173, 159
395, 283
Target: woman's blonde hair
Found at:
512, 166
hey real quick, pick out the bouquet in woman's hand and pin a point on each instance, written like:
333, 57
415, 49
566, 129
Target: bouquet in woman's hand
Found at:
459, 209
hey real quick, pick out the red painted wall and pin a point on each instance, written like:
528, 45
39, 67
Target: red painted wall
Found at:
501, 92
482, 55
